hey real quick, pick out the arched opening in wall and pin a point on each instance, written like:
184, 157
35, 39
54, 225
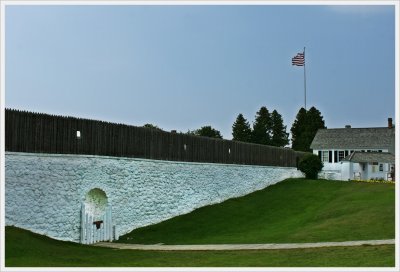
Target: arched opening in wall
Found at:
96, 220
96, 202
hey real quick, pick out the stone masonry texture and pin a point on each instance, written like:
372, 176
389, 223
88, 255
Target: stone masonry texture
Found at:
44, 192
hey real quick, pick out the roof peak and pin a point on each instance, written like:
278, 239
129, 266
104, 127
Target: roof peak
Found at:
354, 138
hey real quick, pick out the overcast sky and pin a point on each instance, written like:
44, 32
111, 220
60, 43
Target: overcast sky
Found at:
183, 67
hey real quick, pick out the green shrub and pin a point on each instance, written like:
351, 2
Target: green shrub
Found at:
310, 165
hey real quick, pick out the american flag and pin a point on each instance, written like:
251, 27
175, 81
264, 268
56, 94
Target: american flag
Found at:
298, 60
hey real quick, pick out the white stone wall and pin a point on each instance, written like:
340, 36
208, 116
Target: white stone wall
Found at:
44, 192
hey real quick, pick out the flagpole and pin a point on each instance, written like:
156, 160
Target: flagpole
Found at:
305, 89
300, 60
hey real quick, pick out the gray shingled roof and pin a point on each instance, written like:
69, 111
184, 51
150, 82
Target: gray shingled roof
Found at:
370, 157
354, 138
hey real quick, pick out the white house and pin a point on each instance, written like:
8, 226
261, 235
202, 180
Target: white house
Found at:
356, 153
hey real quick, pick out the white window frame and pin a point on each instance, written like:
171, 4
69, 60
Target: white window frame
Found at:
325, 156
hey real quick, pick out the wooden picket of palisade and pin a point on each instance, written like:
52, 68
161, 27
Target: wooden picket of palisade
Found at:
44, 133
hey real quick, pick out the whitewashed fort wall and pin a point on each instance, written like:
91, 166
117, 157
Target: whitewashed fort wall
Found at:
44, 192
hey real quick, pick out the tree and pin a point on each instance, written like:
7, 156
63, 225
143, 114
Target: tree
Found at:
315, 121
262, 127
310, 165
279, 134
241, 130
305, 127
152, 126
298, 130
206, 131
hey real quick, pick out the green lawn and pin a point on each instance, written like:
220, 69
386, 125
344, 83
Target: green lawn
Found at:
295, 210
26, 249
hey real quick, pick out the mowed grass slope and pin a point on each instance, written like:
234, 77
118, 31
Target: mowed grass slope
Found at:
295, 210
26, 249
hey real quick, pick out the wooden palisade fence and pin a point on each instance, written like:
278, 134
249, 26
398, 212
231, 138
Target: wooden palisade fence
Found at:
44, 133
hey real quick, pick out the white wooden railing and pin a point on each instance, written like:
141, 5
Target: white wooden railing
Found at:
357, 176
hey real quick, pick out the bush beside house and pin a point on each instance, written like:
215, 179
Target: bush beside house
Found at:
310, 165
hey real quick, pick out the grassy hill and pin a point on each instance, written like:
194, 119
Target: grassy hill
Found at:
295, 210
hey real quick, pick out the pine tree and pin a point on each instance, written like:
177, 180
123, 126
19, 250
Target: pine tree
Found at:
241, 130
305, 127
279, 134
298, 130
315, 121
262, 127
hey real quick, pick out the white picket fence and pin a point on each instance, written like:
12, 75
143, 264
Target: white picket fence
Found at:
90, 234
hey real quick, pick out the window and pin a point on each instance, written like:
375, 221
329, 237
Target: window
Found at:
78, 134
381, 167
325, 156
341, 155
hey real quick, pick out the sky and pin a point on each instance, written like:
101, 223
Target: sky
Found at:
184, 67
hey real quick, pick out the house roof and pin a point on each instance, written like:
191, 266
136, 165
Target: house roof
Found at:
365, 157
354, 138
